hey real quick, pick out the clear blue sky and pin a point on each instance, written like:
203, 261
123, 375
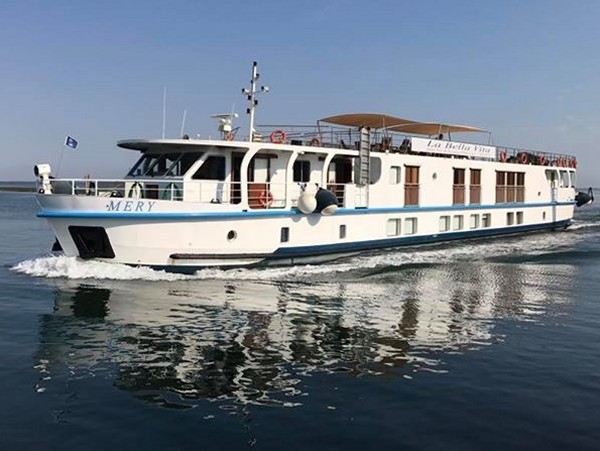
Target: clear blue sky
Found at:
529, 71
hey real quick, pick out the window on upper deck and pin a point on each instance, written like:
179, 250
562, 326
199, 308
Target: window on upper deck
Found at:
163, 164
564, 179
301, 171
213, 168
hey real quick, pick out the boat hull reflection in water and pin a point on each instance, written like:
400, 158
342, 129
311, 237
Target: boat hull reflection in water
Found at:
254, 341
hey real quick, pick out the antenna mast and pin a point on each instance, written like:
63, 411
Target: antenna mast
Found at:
253, 102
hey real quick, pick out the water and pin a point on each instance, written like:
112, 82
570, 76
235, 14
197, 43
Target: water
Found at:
477, 345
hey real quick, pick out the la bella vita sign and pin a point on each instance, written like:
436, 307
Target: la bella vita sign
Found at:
452, 148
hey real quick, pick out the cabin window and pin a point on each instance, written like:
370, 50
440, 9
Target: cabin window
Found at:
486, 220
573, 179
213, 168
458, 188
301, 171
411, 185
474, 221
444, 223
393, 227
395, 172
410, 226
564, 179
457, 222
475, 187
374, 170
285, 234
519, 217
510, 218
510, 187
342, 231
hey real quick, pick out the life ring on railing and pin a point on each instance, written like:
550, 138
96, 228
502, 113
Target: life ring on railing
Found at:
171, 192
136, 191
277, 137
265, 199
503, 156
315, 142
541, 160
523, 158
229, 136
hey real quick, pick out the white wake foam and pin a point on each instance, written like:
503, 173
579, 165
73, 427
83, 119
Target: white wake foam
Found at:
74, 268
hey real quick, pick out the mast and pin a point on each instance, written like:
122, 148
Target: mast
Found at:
253, 102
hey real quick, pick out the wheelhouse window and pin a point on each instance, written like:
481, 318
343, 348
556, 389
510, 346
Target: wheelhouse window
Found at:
301, 171
174, 164
213, 168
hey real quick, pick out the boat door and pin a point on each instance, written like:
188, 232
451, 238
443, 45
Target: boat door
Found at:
339, 173
236, 176
552, 178
259, 179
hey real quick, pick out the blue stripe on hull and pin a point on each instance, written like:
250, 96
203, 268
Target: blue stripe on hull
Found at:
281, 213
411, 241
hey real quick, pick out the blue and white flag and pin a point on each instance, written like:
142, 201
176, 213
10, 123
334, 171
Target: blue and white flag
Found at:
71, 142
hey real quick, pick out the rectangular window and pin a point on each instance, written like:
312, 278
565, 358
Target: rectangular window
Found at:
519, 217
520, 189
444, 223
475, 187
564, 179
395, 172
342, 231
301, 171
457, 222
510, 187
474, 221
213, 168
393, 227
458, 188
285, 234
410, 226
411, 185
486, 220
510, 218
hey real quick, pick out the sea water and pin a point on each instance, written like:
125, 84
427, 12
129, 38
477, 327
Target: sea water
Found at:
489, 344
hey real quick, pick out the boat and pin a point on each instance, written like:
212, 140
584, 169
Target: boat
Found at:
304, 194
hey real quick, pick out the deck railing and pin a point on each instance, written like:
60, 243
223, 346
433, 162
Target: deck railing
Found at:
385, 141
260, 195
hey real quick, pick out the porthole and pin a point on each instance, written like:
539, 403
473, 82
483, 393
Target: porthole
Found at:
231, 235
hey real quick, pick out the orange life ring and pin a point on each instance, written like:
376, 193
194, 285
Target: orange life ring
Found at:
523, 158
503, 156
265, 198
315, 142
229, 136
277, 137
541, 160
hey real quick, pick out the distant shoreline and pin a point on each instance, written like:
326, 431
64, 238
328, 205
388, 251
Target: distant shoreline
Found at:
18, 186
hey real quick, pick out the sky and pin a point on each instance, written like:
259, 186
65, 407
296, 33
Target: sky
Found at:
528, 71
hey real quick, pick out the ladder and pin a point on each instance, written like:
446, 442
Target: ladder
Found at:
364, 156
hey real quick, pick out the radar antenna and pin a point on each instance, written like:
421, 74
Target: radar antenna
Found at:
253, 102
